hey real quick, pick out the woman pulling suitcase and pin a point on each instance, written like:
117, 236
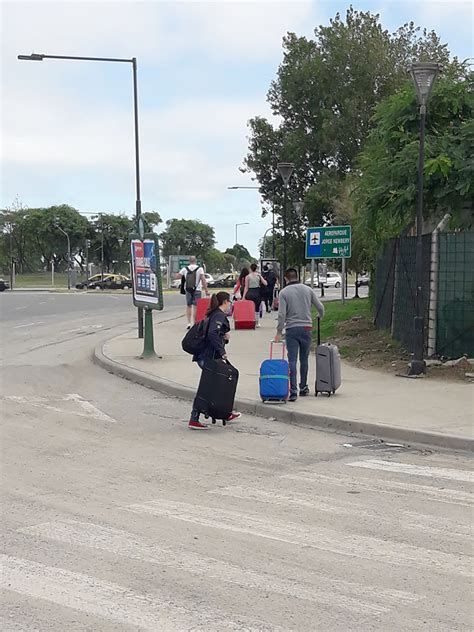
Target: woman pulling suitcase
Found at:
254, 282
217, 336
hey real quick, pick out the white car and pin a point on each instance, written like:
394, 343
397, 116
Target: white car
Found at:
333, 279
176, 284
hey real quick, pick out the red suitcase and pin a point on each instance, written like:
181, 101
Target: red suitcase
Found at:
201, 308
244, 315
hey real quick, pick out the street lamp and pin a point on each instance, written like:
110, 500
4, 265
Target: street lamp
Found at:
285, 169
133, 61
424, 77
68, 255
236, 227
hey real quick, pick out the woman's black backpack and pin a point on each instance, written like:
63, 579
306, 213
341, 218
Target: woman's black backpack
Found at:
195, 339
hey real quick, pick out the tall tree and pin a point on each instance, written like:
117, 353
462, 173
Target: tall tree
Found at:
385, 191
241, 255
188, 237
325, 95
110, 235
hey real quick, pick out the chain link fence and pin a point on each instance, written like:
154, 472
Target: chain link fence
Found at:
452, 289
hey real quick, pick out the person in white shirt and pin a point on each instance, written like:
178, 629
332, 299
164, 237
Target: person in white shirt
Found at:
193, 282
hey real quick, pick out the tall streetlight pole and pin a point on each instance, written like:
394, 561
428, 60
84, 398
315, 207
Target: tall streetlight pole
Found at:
236, 227
424, 77
285, 169
133, 61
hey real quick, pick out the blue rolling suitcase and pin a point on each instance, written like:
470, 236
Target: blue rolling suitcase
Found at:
275, 378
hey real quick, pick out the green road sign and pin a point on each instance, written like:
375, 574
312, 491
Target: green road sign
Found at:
328, 242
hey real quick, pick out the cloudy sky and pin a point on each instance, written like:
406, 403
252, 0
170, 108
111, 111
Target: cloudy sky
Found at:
204, 70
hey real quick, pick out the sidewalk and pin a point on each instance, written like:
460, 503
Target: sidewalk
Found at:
422, 410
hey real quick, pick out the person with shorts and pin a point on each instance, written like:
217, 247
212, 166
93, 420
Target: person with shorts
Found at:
193, 282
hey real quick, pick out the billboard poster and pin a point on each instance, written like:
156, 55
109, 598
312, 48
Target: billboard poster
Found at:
147, 286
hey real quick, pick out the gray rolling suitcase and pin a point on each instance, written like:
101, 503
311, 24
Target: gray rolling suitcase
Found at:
328, 367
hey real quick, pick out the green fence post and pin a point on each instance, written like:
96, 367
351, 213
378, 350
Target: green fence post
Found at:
148, 342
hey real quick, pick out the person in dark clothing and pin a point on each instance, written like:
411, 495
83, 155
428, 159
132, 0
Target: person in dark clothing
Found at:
217, 336
268, 293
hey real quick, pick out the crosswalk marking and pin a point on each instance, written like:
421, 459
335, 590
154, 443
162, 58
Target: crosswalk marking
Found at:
434, 494
415, 470
328, 540
110, 601
312, 500
354, 597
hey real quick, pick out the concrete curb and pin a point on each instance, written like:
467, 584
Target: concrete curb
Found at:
286, 414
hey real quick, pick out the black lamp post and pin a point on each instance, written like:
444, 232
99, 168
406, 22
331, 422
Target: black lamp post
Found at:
133, 61
424, 77
285, 169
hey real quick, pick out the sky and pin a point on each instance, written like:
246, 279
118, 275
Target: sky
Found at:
204, 70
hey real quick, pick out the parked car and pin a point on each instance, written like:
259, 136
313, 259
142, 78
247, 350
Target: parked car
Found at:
363, 279
333, 279
106, 282
225, 280
4, 285
176, 284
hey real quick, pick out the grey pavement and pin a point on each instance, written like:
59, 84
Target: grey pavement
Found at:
116, 517
425, 410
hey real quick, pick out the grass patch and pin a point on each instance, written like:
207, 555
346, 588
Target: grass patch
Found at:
350, 327
335, 312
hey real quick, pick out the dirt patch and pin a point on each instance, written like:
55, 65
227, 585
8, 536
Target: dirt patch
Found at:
365, 346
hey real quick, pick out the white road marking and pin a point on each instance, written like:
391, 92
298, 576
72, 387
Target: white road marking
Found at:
415, 470
19, 308
434, 494
83, 328
38, 322
354, 597
328, 540
406, 520
109, 601
90, 411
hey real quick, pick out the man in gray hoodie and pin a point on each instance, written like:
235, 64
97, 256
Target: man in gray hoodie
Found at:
295, 316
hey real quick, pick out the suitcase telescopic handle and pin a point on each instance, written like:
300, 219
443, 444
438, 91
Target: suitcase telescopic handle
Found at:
319, 331
283, 348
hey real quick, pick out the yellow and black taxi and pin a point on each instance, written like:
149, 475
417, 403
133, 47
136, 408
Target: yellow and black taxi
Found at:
106, 282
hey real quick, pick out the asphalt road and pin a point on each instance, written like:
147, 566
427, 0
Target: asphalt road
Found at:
116, 517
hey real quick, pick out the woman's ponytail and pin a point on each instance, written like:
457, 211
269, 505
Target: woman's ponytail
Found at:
217, 300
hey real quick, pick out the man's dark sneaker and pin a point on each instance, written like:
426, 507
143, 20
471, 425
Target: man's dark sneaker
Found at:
188, 326
197, 425
234, 415
293, 397
304, 391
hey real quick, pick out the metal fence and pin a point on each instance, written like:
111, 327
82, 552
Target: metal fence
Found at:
451, 291
455, 308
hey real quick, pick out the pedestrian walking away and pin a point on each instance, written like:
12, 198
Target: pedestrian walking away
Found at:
268, 292
193, 283
295, 317
217, 336
239, 287
254, 282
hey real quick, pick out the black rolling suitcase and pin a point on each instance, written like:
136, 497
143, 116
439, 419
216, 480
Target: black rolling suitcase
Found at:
216, 391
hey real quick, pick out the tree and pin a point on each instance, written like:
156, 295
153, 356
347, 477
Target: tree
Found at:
241, 255
187, 237
107, 232
325, 95
385, 192
17, 241
42, 224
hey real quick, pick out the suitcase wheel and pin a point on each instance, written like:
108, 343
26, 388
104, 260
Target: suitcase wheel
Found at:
213, 420
316, 393
334, 391
224, 422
